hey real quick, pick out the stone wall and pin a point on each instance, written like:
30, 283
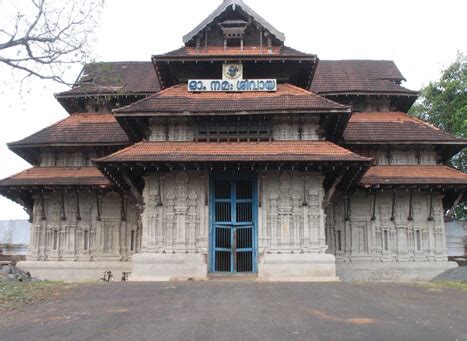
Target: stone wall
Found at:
68, 159
292, 241
83, 232
175, 219
456, 238
284, 127
407, 156
294, 127
176, 226
176, 215
407, 235
14, 237
291, 218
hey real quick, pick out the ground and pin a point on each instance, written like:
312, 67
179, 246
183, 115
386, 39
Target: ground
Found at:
242, 310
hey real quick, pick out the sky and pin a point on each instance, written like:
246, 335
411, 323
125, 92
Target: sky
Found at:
422, 37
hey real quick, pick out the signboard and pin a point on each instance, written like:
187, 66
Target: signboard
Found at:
232, 81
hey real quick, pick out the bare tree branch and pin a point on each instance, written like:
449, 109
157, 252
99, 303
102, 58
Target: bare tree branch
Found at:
46, 37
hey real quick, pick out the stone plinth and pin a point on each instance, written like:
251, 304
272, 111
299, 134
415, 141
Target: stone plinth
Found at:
298, 268
74, 271
166, 267
404, 272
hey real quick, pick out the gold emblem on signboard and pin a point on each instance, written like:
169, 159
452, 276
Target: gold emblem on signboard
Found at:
233, 71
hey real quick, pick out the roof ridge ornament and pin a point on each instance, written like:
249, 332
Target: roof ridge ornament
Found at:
222, 8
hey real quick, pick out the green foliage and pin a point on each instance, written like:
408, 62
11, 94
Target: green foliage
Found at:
15, 294
439, 286
443, 103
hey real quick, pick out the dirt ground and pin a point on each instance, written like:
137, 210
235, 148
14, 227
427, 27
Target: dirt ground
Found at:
219, 310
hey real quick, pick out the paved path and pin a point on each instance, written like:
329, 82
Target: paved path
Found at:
243, 311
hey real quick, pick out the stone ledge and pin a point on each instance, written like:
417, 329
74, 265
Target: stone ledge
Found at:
168, 267
403, 272
73, 271
297, 268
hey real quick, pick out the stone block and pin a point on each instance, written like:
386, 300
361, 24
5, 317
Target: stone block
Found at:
73, 271
403, 272
308, 267
166, 267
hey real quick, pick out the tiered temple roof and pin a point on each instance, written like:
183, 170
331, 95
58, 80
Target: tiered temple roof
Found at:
136, 90
178, 100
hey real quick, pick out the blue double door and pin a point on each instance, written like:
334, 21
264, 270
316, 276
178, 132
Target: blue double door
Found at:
233, 215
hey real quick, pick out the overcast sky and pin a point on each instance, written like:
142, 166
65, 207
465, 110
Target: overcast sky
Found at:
422, 37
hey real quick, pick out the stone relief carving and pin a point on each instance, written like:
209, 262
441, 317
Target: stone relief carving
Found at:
293, 226
78, 240
398, 240
179, 219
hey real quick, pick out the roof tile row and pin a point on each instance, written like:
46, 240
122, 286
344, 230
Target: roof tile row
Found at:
373, 127
276, 151
57, 176
358, 76
78, 129
413, 175
109, 78
178, 99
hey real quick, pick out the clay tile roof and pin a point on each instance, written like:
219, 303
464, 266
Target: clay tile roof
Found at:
76, 130
115, 78
57, 176
385, 127
248, 50
178, 99
413, 175
358, 77
277, 151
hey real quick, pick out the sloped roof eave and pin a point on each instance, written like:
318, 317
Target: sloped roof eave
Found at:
177, 99
415, 175
57, 177
275, 151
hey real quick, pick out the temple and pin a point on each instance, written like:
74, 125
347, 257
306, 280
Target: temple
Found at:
238, 155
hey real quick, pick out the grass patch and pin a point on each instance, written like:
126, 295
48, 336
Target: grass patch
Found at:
439, 286
14, 294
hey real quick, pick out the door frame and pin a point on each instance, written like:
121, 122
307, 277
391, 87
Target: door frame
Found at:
211, 208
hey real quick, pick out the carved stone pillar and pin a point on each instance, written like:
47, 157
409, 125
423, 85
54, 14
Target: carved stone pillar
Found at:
169, 222
192, 222
181, 208
285, 213
274, 218
263, 230
297, 214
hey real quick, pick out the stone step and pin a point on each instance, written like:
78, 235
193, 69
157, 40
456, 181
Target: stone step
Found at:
232, 277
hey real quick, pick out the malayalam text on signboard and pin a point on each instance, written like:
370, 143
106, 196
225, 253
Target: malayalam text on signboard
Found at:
226, 85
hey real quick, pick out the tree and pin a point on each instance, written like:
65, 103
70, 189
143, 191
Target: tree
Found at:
45, 38
443, 103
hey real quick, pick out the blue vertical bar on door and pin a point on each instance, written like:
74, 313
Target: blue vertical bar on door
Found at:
233, 240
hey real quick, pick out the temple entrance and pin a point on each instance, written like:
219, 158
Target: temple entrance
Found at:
233, 215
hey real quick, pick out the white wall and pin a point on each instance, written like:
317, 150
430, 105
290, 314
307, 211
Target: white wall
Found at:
456, 238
